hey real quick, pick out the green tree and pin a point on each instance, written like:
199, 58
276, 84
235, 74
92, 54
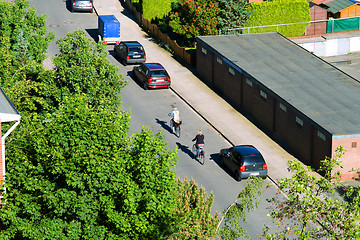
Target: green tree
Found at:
74, 173
191, 18
23, 45
313, 208
193, 215
235, 215
23, 41
233, 14
82, 66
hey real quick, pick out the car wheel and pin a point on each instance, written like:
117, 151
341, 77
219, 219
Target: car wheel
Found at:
237, 176
264, 177
92, 10
146, 87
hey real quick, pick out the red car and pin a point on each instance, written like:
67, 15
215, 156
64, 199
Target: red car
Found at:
152, 75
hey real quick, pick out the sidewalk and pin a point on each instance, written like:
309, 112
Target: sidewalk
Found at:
228, 121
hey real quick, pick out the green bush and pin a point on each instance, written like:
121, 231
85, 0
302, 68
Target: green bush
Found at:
153, 9
280, 12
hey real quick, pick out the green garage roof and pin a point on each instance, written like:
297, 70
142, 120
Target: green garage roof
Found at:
336, 6
314, 88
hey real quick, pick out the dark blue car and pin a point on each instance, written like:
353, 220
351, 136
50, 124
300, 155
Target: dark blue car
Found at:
244, 161
130, 52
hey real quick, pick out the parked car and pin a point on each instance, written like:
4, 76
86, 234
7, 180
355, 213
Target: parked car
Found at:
152, 75
130, 52
244, 161
82, 6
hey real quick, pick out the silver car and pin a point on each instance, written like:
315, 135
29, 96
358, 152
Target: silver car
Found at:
82, 6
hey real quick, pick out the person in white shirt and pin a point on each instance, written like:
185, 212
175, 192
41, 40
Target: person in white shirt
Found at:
175, 117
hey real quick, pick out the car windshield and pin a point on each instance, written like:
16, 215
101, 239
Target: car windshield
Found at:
135, 50
251, 160
159, 73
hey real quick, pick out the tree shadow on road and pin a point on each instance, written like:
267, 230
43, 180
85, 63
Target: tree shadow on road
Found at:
186, 150
164, 125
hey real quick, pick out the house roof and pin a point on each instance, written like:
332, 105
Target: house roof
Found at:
315, 89
338, 5
8, 112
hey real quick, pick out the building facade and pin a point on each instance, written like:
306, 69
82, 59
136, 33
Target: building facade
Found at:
8, 115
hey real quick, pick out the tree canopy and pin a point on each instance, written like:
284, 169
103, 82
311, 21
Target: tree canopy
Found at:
233, 14
192, 18
313, 208
74, 172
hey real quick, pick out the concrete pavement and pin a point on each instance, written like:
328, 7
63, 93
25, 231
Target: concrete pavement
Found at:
229, 122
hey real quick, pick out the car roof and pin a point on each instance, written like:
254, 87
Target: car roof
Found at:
247, 150
132, 43
154, 66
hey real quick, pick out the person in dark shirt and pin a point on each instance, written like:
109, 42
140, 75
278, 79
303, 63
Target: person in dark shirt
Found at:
199, 141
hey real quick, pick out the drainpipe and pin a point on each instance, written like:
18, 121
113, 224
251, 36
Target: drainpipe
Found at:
3, 151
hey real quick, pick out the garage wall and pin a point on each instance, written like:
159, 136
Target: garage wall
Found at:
204, 58
295, 130
351, 157
331, 47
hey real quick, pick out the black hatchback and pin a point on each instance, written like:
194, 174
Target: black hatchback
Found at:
244, 161
130, 52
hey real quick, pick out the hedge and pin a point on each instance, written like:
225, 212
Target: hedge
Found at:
280, 12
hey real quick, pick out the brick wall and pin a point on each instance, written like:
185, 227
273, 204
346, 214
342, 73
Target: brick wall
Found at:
351, 158
317, 13
204, 59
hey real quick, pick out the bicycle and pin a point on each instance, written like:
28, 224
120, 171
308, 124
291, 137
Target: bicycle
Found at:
201, 156
177, 128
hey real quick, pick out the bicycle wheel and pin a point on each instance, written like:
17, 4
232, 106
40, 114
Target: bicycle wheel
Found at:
194, 150
177, 131
202, 158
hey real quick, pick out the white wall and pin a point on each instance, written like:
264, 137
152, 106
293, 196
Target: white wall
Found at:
333, 47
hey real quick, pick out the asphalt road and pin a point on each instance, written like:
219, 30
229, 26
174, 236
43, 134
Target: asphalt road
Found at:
151, 108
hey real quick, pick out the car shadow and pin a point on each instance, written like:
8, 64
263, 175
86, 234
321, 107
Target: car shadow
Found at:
137, 81
164, 125
216, 158
186, 150
68, 5
93, 33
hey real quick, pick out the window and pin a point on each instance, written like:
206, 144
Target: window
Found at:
232, 71
204, 50
282, 107
263, 94
250, 83
219, 60
321, 135
299, 121
353, 144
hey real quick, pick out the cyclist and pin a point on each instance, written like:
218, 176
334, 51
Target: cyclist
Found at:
199, 141
175, 118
